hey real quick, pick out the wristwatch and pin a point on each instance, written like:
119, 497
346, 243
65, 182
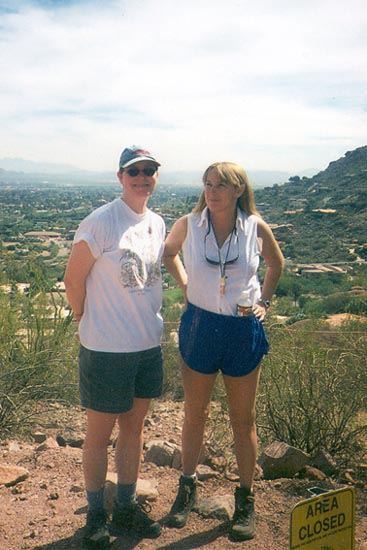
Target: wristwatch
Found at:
265, 303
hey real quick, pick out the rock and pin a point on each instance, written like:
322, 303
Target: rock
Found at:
71, 441
282, 460
14, 446
50, 443
148, 423
160, 452
173, 336
146, 490
76, 489
76, 442
205, 472
11, 475
216, 507
347, 477
60, 440
213, 456
233, 475
309, 472
324, 462
39, 437
177, 458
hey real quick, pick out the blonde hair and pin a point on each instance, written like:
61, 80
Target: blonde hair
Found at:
231, 174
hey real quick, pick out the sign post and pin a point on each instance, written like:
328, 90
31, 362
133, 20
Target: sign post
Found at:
324, 522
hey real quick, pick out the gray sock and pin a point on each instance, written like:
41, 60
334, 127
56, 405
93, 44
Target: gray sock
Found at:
95, 499
126, 493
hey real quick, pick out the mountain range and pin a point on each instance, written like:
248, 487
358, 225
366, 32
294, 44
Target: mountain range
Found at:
17, 170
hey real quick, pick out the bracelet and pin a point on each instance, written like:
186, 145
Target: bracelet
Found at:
265, 303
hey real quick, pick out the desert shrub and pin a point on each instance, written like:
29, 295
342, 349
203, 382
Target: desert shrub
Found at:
172, 297
313, 388
172, 310
37, 356
172, 383
339, 302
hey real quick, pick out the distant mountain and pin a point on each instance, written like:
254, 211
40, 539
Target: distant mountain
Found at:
17, 170
326, 214
29, 166
59, 175
258, 178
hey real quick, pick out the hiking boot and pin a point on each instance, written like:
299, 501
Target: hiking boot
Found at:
134, 517
185, 500
96, 534
243, 521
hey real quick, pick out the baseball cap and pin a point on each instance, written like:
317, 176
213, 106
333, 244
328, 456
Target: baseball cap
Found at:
133, 154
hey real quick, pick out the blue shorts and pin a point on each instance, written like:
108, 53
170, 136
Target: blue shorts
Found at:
109, 382
210, 342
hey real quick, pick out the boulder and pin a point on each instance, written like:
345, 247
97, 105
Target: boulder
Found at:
282, 460
205, 472
146, 490
160, 452
216, 507
324, 462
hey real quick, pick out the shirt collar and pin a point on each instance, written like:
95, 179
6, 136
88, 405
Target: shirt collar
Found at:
241, 221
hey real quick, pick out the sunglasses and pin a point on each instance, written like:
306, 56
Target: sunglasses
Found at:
226, 261
133, 172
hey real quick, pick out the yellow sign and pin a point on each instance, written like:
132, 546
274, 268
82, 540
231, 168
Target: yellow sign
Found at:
324, 522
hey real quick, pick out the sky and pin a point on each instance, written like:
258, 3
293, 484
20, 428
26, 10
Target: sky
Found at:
272, 85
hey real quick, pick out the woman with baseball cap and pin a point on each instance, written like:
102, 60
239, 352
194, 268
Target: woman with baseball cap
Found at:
114, 287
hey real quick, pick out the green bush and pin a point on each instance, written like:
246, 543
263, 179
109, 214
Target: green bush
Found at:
314, 387
172, 297
172, 310
37, 356
338, 302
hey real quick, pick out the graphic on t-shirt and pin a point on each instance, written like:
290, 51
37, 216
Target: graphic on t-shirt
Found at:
134, 273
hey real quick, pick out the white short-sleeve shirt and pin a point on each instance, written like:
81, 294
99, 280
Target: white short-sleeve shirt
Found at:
124, 286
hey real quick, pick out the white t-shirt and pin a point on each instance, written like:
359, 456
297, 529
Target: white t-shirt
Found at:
242, 250
124, 286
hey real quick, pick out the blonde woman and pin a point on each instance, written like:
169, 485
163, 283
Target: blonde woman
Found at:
222, 241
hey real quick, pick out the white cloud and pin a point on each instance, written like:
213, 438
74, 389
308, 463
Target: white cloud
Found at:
276, 85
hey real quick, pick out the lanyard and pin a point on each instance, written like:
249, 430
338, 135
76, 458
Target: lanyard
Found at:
222, 265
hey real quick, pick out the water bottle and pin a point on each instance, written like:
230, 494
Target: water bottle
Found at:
244, 304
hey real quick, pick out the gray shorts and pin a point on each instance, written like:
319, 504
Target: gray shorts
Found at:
109, 382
